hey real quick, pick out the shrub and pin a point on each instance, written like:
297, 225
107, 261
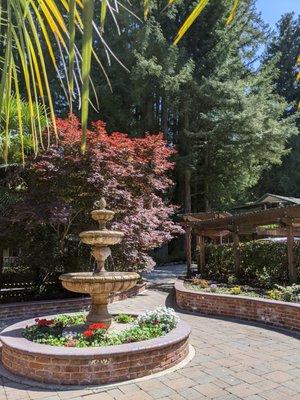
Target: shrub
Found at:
236, 290
263, 263
124, 318
274, 294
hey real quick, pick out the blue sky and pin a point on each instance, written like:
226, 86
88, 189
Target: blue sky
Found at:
272, 10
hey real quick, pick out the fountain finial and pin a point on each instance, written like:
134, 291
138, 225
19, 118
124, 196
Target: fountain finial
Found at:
100, 204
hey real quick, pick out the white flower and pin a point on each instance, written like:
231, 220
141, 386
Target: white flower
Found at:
165, 317
69, 334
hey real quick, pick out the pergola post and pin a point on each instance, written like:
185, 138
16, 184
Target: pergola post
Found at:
200, 243
236, 251
290, 251
188, 250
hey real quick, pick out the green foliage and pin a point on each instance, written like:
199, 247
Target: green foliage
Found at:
284, 293
15, 143
263, 263
274, 294
124, 318
54, 333
289, 293
68, 320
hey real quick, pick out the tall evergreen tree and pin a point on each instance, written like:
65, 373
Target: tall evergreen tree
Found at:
204, 95
235, 118
285, 178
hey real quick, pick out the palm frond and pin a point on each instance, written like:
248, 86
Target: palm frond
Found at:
190, 20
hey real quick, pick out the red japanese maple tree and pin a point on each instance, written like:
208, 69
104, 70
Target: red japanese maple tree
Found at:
132, 175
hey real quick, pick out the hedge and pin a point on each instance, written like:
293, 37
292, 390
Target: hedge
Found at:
263, 263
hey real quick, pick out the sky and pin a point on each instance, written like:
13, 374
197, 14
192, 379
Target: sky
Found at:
272, 10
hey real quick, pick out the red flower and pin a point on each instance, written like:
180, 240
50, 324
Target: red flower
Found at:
44, 322
99, 325
88, 333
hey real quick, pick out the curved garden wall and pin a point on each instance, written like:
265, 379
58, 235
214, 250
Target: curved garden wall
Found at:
91, 365
37, 308
271, 312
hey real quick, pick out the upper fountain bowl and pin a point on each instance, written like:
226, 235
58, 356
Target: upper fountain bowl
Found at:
102, 216
101, 238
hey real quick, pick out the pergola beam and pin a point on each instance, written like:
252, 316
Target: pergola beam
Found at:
264, 217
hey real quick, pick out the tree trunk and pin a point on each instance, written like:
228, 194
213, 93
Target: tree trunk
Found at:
187, 176
187, 191
206, 185
164, 122
149, 114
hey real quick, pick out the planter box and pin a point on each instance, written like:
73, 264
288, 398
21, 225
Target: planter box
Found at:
91, 365
271, 312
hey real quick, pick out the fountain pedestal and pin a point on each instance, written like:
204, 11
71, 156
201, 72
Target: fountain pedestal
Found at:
100, 283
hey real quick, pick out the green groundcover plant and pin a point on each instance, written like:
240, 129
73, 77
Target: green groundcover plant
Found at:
277, 292
58, 331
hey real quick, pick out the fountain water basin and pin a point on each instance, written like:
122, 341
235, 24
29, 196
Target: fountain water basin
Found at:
100, 283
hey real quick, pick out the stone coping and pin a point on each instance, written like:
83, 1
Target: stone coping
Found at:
271, 312
12, 338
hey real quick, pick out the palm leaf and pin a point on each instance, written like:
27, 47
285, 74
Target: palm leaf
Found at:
190, 20
87, 44
232, 12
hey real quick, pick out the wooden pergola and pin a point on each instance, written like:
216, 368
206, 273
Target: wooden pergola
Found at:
218, 225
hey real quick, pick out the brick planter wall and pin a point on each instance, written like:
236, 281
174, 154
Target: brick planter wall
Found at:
102, 365
271, 312
37, 308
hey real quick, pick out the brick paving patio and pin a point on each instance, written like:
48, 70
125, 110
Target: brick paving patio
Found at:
233, 361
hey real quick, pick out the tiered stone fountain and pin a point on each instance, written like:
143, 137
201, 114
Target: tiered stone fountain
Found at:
92, 365
100, 283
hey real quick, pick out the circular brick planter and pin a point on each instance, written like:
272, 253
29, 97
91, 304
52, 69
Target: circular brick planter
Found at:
271, 312
91, 365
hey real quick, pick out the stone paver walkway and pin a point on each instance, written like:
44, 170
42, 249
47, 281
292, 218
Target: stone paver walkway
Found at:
233, 361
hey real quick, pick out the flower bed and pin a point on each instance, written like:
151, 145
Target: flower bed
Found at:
94, 364
277, 292
58, 331
271, 312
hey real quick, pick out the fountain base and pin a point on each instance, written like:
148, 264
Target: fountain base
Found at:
99, 311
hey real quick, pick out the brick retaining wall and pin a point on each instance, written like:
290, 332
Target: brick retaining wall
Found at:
102, 365
271, 312
37, 308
